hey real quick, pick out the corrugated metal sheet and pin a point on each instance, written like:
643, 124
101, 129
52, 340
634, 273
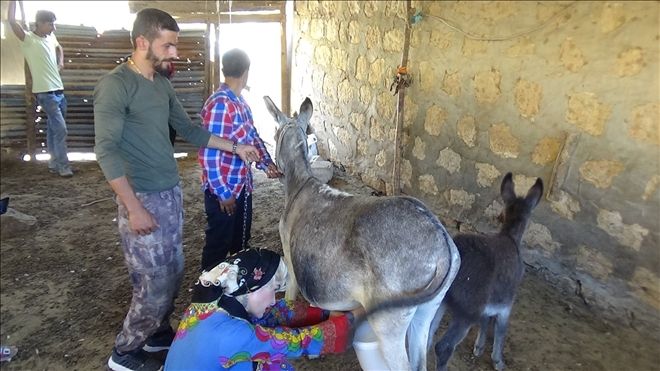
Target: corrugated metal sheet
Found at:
12, 117
88, 56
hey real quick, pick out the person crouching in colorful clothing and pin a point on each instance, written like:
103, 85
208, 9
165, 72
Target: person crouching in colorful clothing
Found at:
234, 321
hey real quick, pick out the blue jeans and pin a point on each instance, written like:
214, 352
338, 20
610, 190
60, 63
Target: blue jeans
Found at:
54, 104
224, 233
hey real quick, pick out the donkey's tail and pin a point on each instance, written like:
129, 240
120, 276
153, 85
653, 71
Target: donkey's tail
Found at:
438, 286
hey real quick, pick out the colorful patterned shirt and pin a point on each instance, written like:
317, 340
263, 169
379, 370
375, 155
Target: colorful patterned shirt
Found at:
229, 116
209, 338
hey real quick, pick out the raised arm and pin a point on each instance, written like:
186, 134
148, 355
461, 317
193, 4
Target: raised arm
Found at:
11, 18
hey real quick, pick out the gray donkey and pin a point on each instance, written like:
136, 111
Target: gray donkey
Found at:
344, 251
485, 287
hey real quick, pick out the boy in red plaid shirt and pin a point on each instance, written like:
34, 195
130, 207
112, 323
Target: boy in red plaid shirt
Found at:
226, 179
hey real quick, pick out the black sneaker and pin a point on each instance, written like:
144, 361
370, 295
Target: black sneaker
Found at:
159, 341
137, 360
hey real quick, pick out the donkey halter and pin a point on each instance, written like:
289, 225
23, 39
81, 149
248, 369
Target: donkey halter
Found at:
303, 143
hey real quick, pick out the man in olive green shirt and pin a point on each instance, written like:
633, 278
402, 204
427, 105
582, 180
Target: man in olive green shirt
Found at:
133, 106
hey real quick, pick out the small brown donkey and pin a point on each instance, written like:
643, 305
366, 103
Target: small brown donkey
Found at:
488, 278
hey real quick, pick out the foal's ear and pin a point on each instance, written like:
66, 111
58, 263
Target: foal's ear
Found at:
306, 110
534, 194
507, 189
274, 111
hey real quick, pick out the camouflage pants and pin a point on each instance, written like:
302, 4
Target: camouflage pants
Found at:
155, 267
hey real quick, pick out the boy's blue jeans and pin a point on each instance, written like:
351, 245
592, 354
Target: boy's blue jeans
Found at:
55, 105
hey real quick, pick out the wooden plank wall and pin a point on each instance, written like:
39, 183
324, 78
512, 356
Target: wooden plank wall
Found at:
87, 57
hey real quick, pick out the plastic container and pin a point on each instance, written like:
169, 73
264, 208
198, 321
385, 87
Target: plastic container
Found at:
312, 149
365, 344
7, 353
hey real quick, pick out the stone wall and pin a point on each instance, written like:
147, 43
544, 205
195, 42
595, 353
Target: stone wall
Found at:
564, 91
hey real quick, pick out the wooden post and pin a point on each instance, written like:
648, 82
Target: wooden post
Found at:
208, 68
398, 142
30, 114
217, 71
286, 12
30, 100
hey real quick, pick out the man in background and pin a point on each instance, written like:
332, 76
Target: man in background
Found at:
45, 57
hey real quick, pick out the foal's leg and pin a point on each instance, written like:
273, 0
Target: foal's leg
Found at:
480, 343
390, 329
457, 330
501, 326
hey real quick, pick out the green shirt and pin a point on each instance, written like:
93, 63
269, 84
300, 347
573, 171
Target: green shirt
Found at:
131, 116
41, 55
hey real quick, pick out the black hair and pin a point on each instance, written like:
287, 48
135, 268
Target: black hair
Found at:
149, 22
234, 63
45, 16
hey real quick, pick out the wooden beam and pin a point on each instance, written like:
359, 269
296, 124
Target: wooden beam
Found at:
30, 115
179, 8
224, 18
286, 26
207, 63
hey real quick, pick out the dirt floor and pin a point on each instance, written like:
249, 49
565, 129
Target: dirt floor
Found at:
64, 288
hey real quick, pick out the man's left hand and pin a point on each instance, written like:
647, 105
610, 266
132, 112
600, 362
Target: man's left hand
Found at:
272, 171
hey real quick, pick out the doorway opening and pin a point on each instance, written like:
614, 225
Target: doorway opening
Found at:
262, 42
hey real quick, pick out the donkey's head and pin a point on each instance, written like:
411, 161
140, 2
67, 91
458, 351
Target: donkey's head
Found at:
291, 133
517, 210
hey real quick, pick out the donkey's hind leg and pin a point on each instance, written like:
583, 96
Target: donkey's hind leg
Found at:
457, 330
390, 329
480, 343
499, 333
420, 334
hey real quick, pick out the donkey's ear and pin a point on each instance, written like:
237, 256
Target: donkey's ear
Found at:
274, 111
306, 109
534, 194
507, 189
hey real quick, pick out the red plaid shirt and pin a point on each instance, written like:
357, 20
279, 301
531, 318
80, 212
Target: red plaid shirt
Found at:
228, 116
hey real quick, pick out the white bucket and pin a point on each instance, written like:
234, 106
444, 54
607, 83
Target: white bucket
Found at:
365, 344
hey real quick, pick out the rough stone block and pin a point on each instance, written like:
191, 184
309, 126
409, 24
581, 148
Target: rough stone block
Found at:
502, 142
449, 160
427, 184
419, 150
435, 120
629, 235
486, 174
467, 130
600, 173
587, 113
527, 95
571, 56
546, 151
487, 86
644, 123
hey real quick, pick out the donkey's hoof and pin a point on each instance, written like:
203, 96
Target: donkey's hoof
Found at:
478, 351
499, 365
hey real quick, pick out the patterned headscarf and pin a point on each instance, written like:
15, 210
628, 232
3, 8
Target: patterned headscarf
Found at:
239, 274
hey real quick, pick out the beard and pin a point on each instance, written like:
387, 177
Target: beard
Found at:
159, 64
